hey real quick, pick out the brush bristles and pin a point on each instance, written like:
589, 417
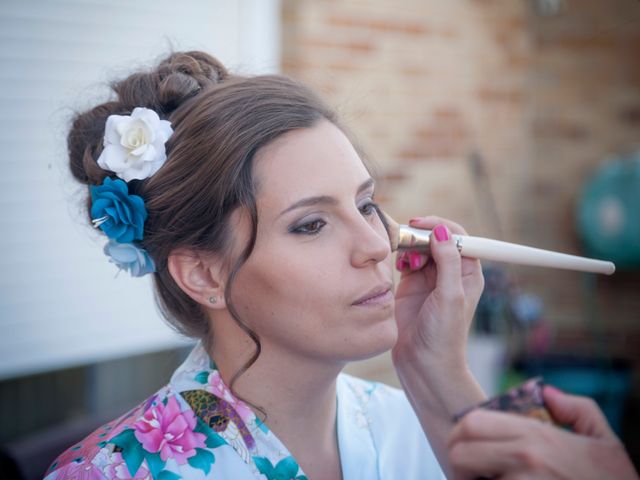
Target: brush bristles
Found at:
394, 229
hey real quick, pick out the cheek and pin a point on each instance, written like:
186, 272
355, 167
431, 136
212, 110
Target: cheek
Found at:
283, 292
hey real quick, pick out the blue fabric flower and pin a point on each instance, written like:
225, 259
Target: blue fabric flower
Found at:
119, 215
129, 257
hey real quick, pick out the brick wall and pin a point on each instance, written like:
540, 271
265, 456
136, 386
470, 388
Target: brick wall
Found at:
544, 99
421, 84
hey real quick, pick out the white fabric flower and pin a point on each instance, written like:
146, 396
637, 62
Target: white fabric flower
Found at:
134, 144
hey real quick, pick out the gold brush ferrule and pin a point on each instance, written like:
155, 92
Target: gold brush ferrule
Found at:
410, 238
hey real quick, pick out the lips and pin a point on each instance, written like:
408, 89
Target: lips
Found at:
374, 292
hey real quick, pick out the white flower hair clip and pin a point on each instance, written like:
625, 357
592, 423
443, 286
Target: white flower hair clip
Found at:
134, 145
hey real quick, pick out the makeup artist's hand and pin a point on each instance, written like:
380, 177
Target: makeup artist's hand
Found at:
434, 305
437, 296
504, 445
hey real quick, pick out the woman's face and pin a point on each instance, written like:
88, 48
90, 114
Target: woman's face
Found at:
320, 250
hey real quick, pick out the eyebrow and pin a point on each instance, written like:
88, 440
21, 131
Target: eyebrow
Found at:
308, 201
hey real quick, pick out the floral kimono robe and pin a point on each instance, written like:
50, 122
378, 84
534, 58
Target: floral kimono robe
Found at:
193, 428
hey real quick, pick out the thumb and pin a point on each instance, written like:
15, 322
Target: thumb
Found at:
582, 414
448, 261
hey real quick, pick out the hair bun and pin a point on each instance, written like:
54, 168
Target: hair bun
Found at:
84, 142
177, 78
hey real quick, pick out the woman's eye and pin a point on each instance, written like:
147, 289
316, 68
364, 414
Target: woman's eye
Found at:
369, 208
310, 228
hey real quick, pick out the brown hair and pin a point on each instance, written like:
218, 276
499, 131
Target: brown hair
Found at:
220, 121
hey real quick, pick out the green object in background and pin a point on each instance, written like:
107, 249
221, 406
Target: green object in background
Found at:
511, 378
608, 214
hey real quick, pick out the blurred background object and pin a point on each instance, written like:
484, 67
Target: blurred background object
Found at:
609, 212
519, 119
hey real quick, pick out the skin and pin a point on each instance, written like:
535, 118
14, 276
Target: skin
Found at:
312, 262
297, 292
508, 446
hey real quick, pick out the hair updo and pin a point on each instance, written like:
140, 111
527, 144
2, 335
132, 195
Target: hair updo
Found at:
220, 121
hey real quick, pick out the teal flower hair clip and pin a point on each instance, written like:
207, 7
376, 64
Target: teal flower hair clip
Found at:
129, 257
119, 215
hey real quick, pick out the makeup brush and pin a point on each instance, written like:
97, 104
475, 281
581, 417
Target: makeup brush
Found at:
404, 237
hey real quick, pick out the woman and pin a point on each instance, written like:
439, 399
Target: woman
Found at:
255, 213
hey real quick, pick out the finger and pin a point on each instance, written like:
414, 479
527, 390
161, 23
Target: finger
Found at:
470, 266
417, 260
486, 459
581, 413
483, 424
410, 261
402, 262
448, 263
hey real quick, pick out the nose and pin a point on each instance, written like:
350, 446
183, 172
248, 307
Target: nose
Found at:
370, 241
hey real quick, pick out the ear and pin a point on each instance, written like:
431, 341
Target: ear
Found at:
198, 276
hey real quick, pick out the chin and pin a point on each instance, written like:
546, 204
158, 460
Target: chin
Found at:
375, 341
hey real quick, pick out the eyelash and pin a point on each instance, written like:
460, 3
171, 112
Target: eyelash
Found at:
367, 209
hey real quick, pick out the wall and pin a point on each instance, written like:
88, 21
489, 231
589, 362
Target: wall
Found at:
543, 98
585, 92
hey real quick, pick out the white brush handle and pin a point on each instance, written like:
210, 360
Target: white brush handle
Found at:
489, 249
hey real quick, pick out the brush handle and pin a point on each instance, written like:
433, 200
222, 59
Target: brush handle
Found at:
488, 249
410, 238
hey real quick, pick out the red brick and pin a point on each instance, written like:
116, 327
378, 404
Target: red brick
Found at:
350, 46
630, 116
579, 42
415, 71
395, 176
492, 94
561, 129
378, 24
446, 114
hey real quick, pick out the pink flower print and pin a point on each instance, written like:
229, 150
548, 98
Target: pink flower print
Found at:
216, 385
165, 429
77, 471
118, 469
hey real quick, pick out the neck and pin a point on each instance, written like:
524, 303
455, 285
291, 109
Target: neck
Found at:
298, 394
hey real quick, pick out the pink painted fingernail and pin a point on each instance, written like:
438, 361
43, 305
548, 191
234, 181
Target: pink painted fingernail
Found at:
398, 264
401, 265
413, 220
415, 260
441, 233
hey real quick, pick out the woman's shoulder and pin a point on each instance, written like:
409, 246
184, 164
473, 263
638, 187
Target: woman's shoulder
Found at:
149, 441
98, 455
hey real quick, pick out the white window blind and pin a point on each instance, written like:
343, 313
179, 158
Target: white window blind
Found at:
60, 301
